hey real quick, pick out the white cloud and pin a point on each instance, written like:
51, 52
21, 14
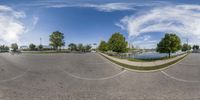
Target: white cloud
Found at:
32, 25
145, 37
108, 7
144, 41
181, 19
10, 26
35, 20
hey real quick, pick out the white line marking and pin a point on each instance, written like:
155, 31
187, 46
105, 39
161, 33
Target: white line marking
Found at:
178, 79
98, 63
94, 79
16, 77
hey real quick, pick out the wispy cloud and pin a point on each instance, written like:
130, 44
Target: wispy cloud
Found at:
181, 19
10, 26
32, 24
144, 41
35, 20
105, 7
111, 6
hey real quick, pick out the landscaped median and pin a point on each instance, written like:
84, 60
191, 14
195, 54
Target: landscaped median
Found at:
144, 66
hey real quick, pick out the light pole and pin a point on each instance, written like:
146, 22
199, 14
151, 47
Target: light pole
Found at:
187, 44
40, 41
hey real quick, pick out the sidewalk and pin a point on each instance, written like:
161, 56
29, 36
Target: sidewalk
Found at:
142, 64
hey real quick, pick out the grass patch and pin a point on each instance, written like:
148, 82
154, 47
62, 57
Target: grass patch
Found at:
149, 68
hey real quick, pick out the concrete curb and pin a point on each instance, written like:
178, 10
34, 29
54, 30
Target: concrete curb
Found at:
154, 70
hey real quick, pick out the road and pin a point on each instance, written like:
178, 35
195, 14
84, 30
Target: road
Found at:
91, 77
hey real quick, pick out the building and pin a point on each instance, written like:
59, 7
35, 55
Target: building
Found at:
24, 47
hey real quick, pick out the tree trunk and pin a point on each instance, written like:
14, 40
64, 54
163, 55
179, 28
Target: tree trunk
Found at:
169, 54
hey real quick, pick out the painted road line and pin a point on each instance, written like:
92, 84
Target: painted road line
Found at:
179, 79
93, 79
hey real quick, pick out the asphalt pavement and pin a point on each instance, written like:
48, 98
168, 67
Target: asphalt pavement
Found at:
89, 76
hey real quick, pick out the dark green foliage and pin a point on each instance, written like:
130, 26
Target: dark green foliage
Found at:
169, 44
4, 48
88, 47
186, 47
80, 47
57, 39
103, 46
72, 47
14, 46
195, 47
117, 43
40, 47
32, 46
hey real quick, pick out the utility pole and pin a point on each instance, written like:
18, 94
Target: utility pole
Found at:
187, 44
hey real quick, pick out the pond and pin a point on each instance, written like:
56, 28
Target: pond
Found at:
153, 55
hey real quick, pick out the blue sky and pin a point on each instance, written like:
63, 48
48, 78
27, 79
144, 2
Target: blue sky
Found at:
142, 22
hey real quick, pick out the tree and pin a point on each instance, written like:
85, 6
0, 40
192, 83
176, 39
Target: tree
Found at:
80, 47
57, 39
4, 48
195, 47
88, 47
186, 47
40, 47
169, 44
103, 46
14, 46
32, 46
72, 46
117, 43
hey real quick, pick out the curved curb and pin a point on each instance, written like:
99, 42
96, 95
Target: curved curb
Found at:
142, 70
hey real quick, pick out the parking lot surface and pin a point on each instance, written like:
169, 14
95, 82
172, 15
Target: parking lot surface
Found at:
89, 76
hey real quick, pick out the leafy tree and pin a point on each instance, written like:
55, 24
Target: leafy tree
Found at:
14, 46
103, 46
169, 44
195, 47
80, 47
88, 47
117, 43
186, 47
72, 46
32, 46
4, 48
40, 47
57, 39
